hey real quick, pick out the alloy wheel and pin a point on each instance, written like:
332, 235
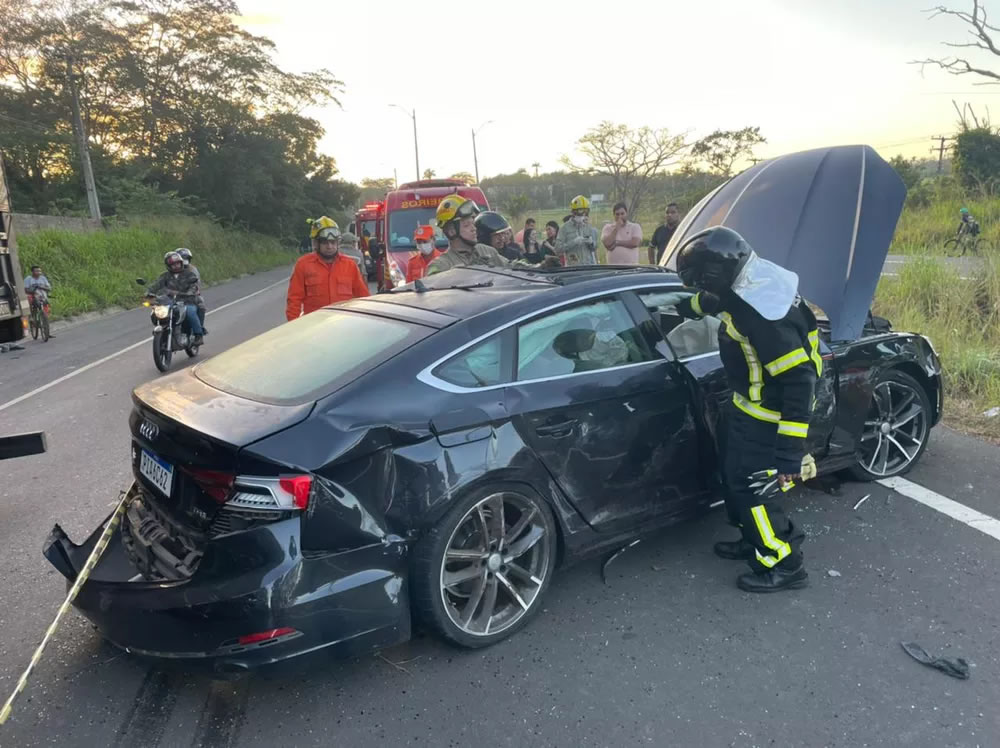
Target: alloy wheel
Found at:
495, 564
895, 431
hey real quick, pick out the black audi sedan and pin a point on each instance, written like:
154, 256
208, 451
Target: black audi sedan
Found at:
436, 452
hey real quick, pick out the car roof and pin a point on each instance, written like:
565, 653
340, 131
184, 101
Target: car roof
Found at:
483, 290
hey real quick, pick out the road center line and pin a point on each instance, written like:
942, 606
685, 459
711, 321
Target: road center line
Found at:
126, 349
966, 515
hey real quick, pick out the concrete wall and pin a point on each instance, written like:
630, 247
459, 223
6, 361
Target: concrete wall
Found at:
24, 223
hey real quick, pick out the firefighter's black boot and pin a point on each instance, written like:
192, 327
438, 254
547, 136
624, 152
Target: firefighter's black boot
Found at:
734, 550
774, 580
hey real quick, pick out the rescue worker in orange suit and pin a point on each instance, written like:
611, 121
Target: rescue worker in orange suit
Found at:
769, 345
323, 276
423, 237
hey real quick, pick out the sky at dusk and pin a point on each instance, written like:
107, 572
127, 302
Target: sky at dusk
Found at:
808, 73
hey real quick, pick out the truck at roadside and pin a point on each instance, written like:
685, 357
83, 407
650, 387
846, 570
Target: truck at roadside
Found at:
12, 319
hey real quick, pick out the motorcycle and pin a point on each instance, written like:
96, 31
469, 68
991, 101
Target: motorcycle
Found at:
171, 330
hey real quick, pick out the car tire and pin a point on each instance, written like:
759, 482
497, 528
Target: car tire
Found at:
899, 422
455, 568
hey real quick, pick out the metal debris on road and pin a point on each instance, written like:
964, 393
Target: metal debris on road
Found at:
613, 556
834, 573
992, 412
863, 500
955, 667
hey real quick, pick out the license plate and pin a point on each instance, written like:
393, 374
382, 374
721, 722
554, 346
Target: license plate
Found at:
158, 472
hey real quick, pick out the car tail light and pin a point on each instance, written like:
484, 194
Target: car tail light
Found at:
265, 635
299, 486
215, 483
288, 492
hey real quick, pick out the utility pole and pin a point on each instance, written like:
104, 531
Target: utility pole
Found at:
940, 149
81, 141
416, 152
475, 156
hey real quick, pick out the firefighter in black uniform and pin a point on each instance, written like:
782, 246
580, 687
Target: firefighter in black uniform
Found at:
769, 345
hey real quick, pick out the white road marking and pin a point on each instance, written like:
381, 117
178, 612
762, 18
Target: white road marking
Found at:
116, 354
977, 520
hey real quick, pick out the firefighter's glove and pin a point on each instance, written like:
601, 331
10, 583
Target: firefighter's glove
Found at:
808, 470
697, 306
765, 484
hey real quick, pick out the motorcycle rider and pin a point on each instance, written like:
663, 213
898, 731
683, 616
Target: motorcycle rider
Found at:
577, 239
186, 255
769, 345
324, 276
182, 284
423, 237
456, 217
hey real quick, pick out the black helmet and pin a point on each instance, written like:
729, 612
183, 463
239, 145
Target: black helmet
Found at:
488, 223
712, 258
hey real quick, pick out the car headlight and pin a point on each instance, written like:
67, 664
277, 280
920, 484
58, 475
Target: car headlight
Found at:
161, 311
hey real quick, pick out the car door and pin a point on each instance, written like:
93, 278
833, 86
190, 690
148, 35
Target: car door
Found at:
606, 412
696, 344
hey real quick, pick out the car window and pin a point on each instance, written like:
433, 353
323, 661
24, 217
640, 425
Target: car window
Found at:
479, 366
586, 337
689, 337
309, 357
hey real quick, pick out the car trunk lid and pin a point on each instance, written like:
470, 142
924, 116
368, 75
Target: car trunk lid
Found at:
186, 439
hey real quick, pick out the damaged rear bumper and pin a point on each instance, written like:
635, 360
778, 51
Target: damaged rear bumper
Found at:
247, 583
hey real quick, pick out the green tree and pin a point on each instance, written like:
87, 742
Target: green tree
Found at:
171, 91
464, 176
723, 148
516, 206
631, 157
977, 159
907, 169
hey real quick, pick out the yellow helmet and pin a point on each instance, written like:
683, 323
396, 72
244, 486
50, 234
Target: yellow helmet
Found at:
325, 228
579, 203
454, 208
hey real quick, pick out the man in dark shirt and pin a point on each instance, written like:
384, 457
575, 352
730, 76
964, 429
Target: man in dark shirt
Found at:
664, 232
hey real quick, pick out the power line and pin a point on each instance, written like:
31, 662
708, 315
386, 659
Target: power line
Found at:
29, 125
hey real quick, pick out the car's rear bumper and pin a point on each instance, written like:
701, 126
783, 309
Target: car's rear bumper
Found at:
249, 582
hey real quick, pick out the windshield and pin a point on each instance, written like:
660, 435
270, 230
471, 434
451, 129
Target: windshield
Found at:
368, 226
402, 224
308, 358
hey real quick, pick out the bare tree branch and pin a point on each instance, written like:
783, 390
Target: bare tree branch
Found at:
980, 30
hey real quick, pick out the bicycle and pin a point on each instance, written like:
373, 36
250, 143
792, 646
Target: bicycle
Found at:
966, 238
38, 320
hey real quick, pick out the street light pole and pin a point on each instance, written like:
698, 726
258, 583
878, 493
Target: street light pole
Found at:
475, 156
416, 152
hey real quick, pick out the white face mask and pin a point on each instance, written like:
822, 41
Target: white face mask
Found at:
425, 248
579, 219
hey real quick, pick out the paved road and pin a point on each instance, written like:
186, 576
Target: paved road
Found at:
669, 652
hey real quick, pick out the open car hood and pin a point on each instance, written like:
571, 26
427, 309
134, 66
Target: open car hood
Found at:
827, 214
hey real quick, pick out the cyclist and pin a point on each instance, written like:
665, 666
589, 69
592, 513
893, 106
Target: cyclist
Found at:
39, 281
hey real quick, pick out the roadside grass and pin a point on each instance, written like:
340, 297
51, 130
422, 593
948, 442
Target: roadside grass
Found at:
91, 271
924, 230
962, 318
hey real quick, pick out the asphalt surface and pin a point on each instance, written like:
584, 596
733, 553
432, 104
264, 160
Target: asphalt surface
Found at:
668, 652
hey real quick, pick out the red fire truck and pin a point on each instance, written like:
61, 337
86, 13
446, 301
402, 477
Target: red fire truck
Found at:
410, 205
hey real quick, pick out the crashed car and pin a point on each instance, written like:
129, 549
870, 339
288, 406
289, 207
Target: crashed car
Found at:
508, 422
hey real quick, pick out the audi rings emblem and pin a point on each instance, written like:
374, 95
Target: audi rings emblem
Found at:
149, 431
